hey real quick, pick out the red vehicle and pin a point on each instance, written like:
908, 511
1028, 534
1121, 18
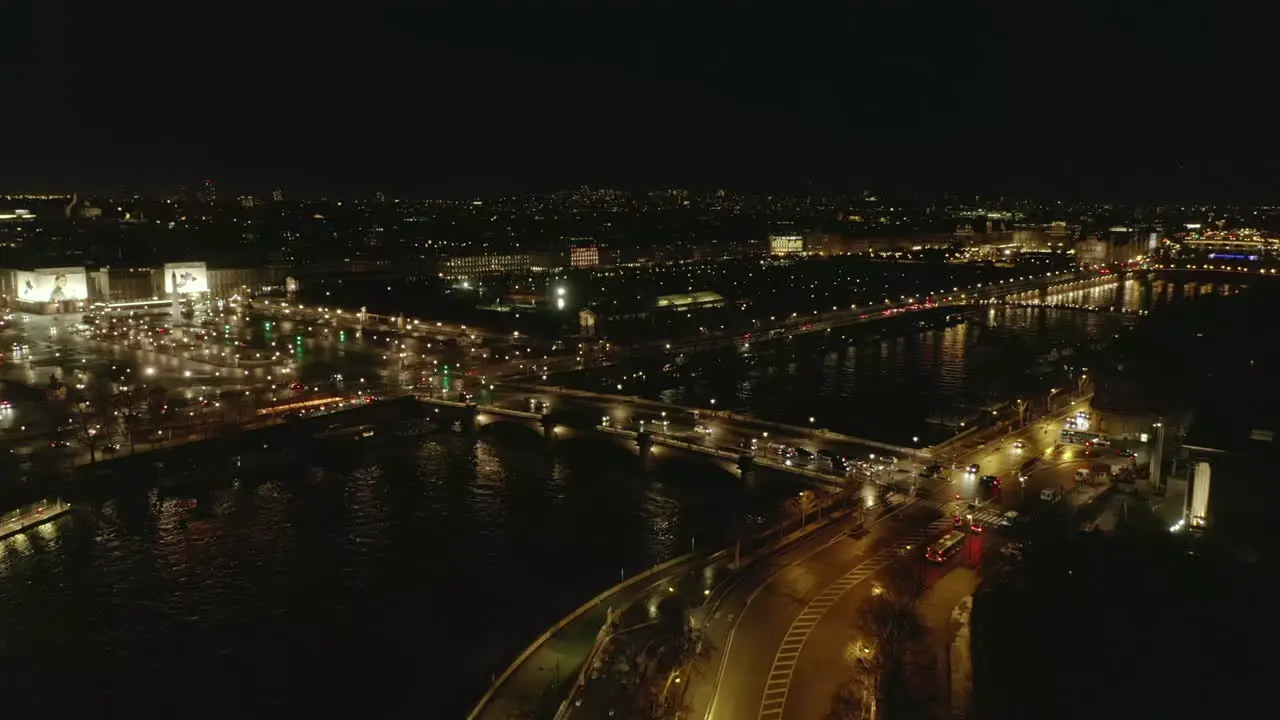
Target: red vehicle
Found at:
945, 547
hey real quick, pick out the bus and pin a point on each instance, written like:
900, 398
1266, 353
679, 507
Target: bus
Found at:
1080, 437
944, 548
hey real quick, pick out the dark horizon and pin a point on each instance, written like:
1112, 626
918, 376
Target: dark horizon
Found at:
976, 98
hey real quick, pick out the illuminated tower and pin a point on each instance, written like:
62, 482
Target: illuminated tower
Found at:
175, 309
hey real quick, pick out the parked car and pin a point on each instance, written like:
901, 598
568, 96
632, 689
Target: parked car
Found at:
1012, 550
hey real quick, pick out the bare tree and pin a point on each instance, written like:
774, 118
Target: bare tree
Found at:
651, 671
852, 700
803, 504
92, 408
1022, 407
131, 403
889, 652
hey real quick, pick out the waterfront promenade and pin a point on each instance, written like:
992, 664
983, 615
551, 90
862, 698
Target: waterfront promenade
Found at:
540, 678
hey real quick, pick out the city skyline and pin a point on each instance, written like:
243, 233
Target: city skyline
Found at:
982, 97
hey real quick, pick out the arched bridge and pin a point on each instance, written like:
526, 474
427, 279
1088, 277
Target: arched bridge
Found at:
475, 416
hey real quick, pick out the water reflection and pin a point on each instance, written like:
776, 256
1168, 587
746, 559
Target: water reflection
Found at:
342, 568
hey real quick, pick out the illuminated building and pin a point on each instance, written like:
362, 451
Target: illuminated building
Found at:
1228, 459
67, 289
786, 244
1243, 243
469, 266
690, 301
584, 256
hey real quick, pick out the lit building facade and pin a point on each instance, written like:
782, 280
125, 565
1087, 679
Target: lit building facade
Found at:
786, 245
72, 289
583, 256
468, 266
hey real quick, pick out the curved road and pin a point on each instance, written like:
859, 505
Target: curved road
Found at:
790, 617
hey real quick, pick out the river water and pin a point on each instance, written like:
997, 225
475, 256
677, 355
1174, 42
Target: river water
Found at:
401, 575
381, 576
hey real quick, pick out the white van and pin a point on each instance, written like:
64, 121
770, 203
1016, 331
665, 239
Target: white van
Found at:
1050, 495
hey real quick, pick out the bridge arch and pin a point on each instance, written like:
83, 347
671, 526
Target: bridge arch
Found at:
680, 466
499, 426
613, 447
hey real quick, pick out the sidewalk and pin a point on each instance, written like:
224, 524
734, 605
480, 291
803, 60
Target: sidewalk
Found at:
952, 670
544, 676
609, 680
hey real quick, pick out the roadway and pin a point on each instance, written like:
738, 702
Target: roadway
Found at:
791, 616
30, 516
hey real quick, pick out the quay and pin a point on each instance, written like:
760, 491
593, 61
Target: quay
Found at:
25, 518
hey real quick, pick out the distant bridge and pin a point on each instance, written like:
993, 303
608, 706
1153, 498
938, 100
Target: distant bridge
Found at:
476, 416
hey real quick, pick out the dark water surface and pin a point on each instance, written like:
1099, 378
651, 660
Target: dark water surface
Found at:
374, 577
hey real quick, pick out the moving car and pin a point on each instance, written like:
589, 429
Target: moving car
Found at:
800, 457
1009, 518
974, 468
702, 429
1019, 444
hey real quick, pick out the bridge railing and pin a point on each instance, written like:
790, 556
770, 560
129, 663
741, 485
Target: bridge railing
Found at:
510, 412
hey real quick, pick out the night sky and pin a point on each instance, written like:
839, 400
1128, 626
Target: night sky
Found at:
1007, 97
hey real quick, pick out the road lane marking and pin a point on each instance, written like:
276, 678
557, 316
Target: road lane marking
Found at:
727, 653
798, 633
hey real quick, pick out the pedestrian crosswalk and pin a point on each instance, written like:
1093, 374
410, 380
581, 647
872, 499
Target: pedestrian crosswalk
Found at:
986, 516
